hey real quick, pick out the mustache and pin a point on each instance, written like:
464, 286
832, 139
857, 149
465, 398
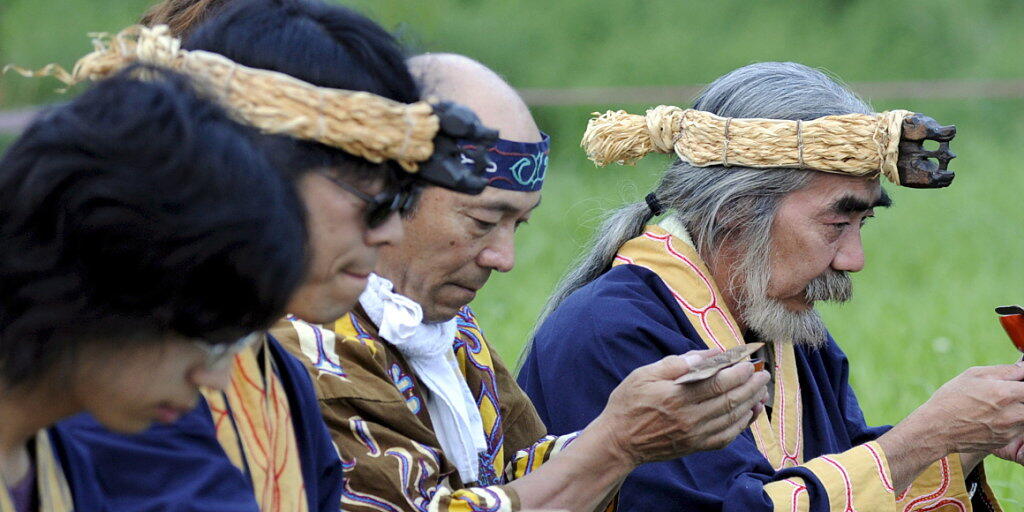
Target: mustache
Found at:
832, 286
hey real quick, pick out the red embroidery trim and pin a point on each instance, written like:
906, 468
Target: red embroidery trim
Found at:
944, 464
881, 469
846, 483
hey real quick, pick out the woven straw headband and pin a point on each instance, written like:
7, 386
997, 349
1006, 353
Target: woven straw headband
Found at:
360, 123
889, 143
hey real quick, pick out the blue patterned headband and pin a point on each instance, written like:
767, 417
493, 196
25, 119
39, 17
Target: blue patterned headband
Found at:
519, 166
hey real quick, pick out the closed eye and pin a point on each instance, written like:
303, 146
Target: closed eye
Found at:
484, 225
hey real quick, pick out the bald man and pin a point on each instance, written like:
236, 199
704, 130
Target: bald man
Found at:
424, 414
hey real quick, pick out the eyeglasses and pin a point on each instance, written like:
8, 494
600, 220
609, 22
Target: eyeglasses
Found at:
218, 356
380, 207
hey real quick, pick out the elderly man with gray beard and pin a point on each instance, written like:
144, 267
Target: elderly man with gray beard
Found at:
742, 255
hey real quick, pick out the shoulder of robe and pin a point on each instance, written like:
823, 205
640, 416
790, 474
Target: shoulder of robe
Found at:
621, 298
345, 359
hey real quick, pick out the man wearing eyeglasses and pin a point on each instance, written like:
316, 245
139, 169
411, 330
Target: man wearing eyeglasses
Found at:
260, 443
424, 414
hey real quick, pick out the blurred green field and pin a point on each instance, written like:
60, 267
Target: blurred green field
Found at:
938, 261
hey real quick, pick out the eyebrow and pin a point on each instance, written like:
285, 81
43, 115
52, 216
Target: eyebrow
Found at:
504, 207
853, 204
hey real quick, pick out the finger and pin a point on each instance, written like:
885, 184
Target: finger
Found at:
1009, 372
717, 424
694, 357
722, 382
675, 366
765, 396
728, 433
668, 368
738, 413
708, 352
760, 404
727, 380
758, 411
1013, 416
754, 400
737, 428
732, 404
1013, 390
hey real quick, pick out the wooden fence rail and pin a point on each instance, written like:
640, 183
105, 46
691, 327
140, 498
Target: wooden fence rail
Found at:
13, 121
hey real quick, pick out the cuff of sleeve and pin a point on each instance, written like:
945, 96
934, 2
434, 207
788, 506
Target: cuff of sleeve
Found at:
493, 499
527, 460
857, 479
513, 498
941, 485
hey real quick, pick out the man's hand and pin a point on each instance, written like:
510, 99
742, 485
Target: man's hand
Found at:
981, 410
1013, 452
649, 417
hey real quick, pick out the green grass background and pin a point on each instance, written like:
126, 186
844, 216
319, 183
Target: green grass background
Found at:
937, 262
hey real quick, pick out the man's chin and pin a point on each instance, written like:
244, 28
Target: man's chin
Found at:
440, 314
447, 301
325, 312
126, 425
797, 305
775, 321
442, 309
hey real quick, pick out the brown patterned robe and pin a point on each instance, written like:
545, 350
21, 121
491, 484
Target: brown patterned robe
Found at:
374, 407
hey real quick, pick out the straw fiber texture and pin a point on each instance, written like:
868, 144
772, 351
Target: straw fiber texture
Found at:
856, 144
360, 123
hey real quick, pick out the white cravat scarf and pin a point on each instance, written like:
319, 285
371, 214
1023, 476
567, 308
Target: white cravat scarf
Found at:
428, 350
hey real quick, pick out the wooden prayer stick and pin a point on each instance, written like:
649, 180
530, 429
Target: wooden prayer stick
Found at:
718, 362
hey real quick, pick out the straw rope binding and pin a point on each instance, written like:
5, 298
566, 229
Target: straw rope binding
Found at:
856, 144
360, 123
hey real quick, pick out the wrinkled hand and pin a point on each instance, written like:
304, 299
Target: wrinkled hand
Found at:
649, 417
1013, 452
981, 410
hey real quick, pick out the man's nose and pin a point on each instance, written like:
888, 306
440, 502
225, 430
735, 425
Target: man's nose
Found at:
214, 378
850, 256
390, 232
500, 254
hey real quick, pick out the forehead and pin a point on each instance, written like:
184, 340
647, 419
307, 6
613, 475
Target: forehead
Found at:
500, 200
825, 191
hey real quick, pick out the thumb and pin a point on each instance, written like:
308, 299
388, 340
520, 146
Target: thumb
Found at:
675, 366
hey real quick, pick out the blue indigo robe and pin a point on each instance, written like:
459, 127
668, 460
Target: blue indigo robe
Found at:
630, 317
182, 466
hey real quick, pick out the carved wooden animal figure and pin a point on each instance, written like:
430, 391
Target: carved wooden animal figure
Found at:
915, 164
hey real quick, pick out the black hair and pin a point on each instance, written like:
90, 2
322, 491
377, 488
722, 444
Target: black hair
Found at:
135, 211
181, 16
325, 45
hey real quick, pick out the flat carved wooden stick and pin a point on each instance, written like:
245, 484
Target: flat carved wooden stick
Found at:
718, 362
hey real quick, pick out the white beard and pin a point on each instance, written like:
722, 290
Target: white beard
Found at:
770, 319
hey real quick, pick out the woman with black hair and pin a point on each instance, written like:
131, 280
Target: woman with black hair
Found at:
240, 450
145, 240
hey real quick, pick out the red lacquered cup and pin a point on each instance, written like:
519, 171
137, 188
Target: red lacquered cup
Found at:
1012, 318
